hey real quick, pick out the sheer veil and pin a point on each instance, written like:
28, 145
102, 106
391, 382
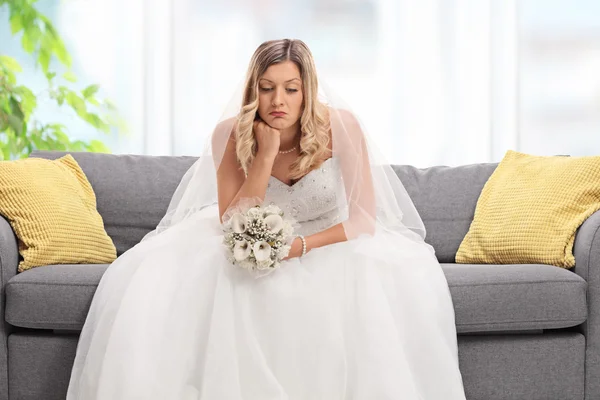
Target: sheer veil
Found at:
372, 198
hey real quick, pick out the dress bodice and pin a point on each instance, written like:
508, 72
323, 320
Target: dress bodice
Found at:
312, 200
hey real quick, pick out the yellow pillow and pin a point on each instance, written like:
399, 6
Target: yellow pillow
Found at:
530, 209
51, 206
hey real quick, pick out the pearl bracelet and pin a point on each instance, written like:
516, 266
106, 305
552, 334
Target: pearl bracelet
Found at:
303, 244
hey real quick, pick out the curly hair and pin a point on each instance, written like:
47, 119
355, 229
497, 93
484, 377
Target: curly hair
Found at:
314, 121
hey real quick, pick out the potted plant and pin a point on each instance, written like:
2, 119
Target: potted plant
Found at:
20, 131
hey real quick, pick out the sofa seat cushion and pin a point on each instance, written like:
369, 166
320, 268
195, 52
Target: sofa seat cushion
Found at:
487, 298
515, 297
53, 296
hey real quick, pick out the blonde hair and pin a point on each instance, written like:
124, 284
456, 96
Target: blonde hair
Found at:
314, 121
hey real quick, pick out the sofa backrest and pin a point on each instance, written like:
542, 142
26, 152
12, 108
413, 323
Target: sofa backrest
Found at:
132, 191
445, 198
133, 194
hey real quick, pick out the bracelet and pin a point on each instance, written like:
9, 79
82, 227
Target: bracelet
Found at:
303, 244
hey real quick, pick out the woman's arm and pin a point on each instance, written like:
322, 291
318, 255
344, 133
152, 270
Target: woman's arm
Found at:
330, 235
232, 185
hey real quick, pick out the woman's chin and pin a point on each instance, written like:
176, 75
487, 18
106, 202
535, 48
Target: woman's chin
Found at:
278, 123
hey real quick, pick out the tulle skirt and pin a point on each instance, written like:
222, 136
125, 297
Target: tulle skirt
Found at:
370, 318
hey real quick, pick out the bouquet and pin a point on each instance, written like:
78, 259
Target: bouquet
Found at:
257, 237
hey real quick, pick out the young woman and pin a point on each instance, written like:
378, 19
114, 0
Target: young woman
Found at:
359, 309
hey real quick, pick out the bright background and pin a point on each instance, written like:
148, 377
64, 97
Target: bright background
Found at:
436, 82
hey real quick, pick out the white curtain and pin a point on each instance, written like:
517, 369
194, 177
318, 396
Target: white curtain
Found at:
434, 81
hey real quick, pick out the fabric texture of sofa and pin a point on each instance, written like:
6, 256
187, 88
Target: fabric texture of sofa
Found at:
525, 331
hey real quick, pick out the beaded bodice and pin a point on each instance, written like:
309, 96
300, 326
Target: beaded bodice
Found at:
313, 200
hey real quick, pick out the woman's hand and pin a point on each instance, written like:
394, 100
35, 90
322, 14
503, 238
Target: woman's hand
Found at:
268, 138
296, 250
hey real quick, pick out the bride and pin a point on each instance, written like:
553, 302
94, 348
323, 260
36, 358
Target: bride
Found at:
359, 308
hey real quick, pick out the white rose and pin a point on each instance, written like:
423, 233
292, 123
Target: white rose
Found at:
266, 264
241, 250
272, 209
254, 212
238, 223
274, 223
246, 264
262, 250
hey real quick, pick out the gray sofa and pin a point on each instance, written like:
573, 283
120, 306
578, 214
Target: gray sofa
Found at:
525, 331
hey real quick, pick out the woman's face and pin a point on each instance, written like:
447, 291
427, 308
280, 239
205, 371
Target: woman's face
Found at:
280, 95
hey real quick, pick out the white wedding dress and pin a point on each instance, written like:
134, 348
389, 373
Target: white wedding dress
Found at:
370, 318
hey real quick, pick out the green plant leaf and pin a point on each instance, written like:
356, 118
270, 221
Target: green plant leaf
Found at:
56, 126
28, 16
28, 99
55, 145
20, 144
97, 122
61, 52
70, 76
10, 63
79, 145
44, 59
5, 152
110, 105
55, 43
4, 104
61, 136
97, 146
16, 124
15, 108
28, 41
16, 24
77, 104
11, 77
37, 142
119, 123
12, 145
49, 26
90, 91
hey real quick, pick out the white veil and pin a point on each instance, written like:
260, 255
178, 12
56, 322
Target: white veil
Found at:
373, 197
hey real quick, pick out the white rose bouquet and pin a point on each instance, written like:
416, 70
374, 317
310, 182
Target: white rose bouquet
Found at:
257, 237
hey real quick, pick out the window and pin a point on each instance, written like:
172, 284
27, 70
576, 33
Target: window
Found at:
559, 96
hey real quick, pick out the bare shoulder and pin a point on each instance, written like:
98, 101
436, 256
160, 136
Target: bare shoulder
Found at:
347, 120
222, 136
223, 131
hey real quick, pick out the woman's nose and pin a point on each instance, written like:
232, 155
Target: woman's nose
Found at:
277, 97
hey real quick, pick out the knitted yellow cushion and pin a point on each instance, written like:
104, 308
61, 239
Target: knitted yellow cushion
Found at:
51, 206
530, 208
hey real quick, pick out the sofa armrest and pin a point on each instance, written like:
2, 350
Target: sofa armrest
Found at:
9, 260
587, 265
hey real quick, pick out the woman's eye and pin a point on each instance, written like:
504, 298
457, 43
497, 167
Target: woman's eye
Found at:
266, 89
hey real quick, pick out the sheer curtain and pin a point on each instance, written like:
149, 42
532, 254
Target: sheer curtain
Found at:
434, 81
559, 70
